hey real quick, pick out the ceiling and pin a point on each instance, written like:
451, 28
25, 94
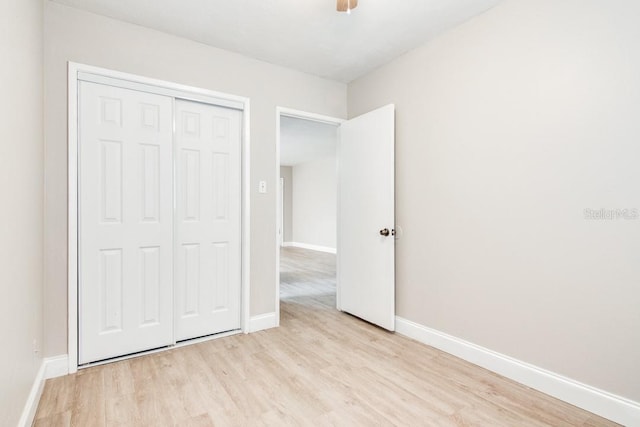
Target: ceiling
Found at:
304, 140
307, 35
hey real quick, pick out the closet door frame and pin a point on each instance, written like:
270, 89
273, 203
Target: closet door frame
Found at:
81, 72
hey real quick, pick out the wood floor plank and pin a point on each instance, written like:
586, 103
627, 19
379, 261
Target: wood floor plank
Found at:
122, 411
118, 378
57, 397
320, 368
56, 420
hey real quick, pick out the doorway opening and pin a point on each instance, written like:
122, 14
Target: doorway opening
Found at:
306, 240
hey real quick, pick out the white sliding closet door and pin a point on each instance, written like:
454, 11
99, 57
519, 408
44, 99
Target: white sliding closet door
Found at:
208, 214
125, 222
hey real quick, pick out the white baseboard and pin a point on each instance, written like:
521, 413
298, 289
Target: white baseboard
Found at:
311, 247
50, 367
600, 402
31, 405
56, 366
262, 322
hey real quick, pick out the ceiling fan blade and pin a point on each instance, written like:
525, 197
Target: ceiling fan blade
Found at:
344, 5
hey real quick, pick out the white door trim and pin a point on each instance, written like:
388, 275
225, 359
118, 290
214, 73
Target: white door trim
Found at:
147, 84
298, 114
281, 211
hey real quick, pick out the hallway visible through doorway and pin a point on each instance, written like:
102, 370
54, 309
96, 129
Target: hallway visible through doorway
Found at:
307, 277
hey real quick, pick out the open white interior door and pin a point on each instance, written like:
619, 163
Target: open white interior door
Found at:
366, 217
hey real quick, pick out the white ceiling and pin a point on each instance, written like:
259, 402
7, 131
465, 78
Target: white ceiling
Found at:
307, 35
304, 140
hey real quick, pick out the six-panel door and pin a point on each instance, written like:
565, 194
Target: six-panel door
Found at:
126, 221
208, 204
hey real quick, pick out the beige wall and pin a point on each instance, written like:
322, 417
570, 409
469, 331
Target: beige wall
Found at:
72, 35
21, 192
315, 197
286, 172
508, 127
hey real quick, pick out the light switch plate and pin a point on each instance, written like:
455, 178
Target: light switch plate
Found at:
262, 187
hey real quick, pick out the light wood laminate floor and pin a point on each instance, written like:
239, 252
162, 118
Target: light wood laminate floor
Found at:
321, 367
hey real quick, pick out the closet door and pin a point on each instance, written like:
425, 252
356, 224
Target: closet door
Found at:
125, 215
208, 213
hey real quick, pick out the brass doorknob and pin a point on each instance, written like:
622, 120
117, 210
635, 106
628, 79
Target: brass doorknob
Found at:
384, 232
